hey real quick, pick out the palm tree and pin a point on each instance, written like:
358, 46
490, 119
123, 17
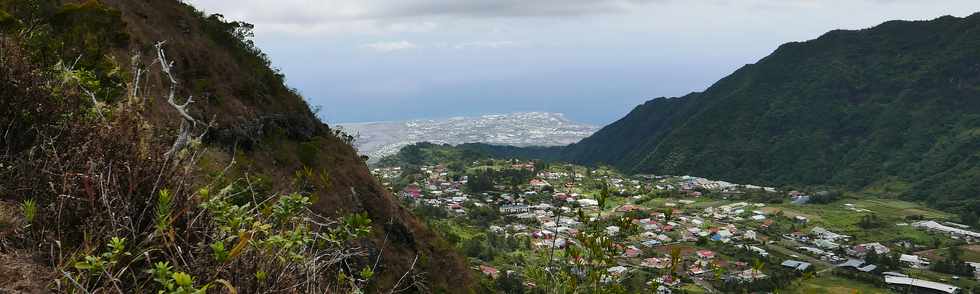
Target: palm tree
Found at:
675, 259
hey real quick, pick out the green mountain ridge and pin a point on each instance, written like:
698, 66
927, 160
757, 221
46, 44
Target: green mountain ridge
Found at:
893, 109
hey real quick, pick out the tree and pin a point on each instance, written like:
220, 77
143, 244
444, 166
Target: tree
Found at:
675, 260
510, 283
757, 267
870, 221
953, 263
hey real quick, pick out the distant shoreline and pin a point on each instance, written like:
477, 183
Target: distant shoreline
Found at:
453, 117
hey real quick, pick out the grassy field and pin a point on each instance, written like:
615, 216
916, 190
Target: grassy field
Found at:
834, 285
842, 219
693, 289
962, 282
971, 253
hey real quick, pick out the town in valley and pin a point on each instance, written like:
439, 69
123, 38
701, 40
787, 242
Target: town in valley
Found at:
683, 234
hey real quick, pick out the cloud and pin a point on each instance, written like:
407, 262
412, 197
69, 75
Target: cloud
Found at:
412, 27
386, 47
373, 16
486, 45
507, 8
392, 46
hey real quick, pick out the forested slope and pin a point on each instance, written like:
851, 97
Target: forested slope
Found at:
893, 108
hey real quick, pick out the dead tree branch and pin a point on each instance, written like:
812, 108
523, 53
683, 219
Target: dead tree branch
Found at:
188, 122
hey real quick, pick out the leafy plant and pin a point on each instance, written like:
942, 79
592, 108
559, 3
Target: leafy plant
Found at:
174, 282
29, 209
164, 207
289, 206
218, 251
100, 264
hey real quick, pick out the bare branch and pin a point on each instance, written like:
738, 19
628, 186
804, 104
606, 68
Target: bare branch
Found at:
167, 67
410, 269
138, 73
188, 122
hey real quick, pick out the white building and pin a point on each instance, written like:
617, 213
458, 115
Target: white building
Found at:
923, 284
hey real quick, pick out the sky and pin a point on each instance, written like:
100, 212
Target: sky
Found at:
594, 60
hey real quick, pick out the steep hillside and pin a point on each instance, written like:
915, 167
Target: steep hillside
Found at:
893, 109
86, 110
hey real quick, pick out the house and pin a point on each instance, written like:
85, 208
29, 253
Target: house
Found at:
705, 254
660, 263
814, 251
651, 243
491, 272
767, 223
724, 235
588, 202
750, 275
612, 230
913, 261
668, 280
825, 244
759, 251
617, 270
905, 282
631, 252
514, 208
862, 250
795, 264
976, 267
800, 199
543, 234
412, 190
695, 270
556, 243
822, 233
539, 184
858, 265
955, 232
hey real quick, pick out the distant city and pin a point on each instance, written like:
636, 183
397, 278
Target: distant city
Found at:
379, 139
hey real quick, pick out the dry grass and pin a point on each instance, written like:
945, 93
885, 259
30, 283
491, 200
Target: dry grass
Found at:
11, 219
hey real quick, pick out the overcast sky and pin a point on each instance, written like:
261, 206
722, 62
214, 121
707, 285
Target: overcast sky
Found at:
594, 60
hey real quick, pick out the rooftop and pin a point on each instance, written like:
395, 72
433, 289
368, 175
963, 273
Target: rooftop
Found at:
893, 280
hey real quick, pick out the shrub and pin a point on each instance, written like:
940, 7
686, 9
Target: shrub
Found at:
107, 178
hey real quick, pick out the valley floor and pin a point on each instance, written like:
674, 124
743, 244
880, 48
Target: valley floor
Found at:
679, 233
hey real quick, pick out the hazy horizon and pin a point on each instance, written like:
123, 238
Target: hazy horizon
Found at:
377, 60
